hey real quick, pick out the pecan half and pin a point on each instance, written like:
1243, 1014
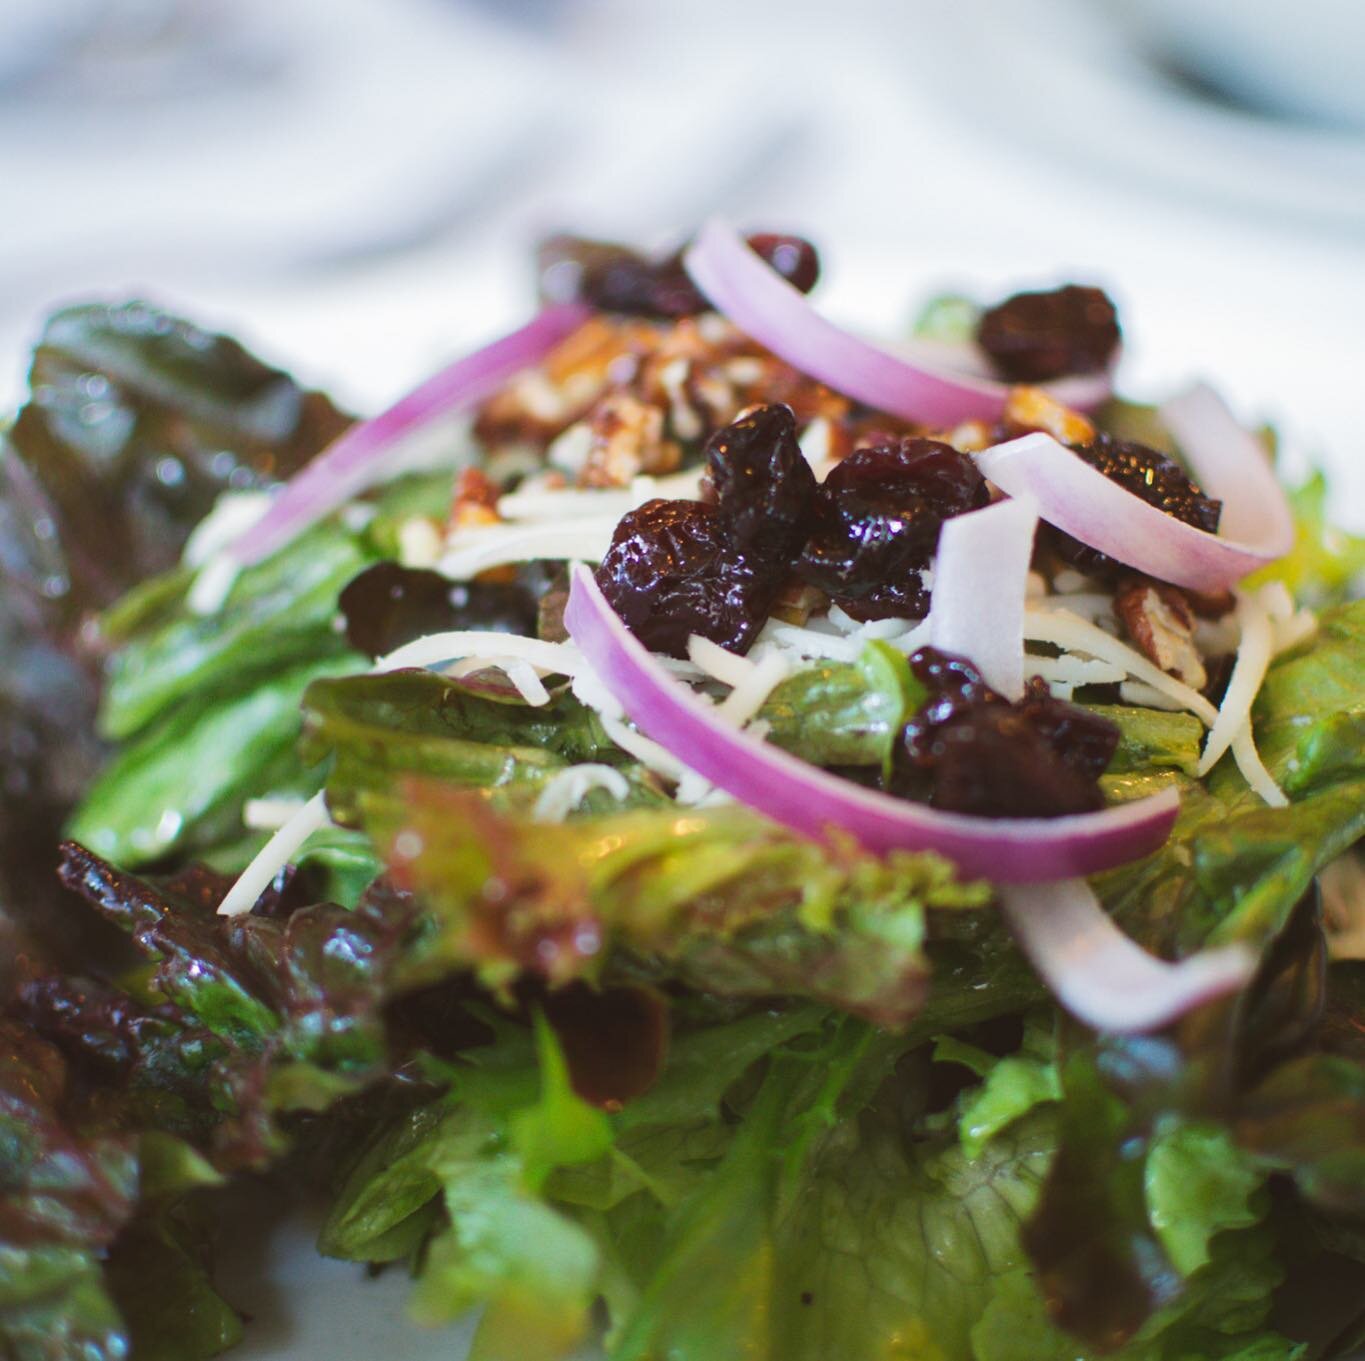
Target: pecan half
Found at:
1159, 620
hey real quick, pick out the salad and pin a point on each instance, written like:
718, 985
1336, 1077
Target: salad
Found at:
693, 827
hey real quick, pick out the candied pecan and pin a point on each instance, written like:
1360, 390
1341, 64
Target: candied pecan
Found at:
685, 420
550, 615
797, 602
778, 382
529, 410
603, 350
627, 440
1159, 620
969, 437
712, 395
476, 501
538, 404
476, 506
1030, 408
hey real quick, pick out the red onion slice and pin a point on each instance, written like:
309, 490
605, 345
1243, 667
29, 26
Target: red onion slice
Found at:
815, 803
353, 462
980, 580
742, 286
1101, 976
1231, 464
1082, 502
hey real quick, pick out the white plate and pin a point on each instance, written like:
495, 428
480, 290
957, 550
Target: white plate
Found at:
304, 1307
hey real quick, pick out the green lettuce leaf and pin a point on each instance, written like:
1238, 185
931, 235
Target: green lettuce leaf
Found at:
460, 1178
883, 1284
1010, 1088
279, 612
723, 899
950, 317
827, 1230
1325, 562
1198, 1184
1219, 1320
1234, 868
842, 714
1152, 739
63, 1201
377, 730
180, 785
158, 1275
136, 421
139, 421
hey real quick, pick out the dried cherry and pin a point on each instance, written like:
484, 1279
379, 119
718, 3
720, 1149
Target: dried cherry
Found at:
1036, 336
981, 754
616, 278
995, 763
1148, 474
672, 570
793, 257
878, 517
1085, 740
763, 486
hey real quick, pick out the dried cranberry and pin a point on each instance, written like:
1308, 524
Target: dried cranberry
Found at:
983, 755
1036, 336
388, 605
672, 570
616, 278
763, 486
1156, 479
878, 517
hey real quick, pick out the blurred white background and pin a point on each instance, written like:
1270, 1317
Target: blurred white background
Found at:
355, 185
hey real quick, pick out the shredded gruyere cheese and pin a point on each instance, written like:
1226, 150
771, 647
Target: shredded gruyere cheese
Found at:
717, 662
1070, 632
566, 789
1248, 671
806, 643
1253, 768
1138, 692
434, 648
555, 505
274, 856
517, 670
475, 550
431, 650
769, 670
644, 749
1071, 670
270, 814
